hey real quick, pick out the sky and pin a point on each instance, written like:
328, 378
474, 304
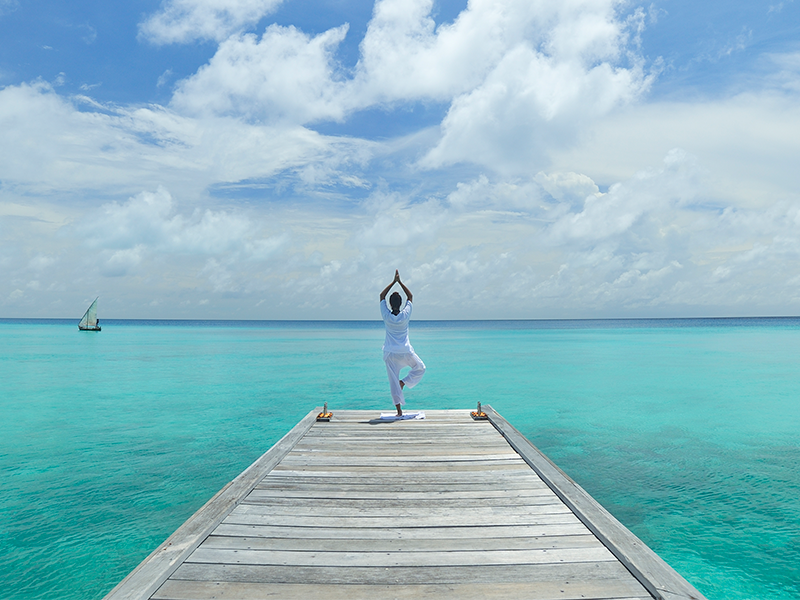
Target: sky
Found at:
514, 159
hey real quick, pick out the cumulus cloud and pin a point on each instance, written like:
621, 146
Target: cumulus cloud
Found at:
285, 76
41, 262
555, 246
515, 197
396, 222
567, 187
550, 245
787, 71
75, 144
541, 95
404, 55
519, 76
120, 262
8, 6
648, 192
150, 221
746, 141
572, 210
181, 21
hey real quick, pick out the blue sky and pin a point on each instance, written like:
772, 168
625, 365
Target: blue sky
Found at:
272, 159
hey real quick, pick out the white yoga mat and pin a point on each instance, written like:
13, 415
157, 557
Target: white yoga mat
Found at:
415, 416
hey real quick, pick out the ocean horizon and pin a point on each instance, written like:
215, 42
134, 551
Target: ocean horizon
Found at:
684, 428
611, 322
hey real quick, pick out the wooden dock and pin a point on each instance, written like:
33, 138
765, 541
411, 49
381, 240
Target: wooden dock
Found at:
445, 507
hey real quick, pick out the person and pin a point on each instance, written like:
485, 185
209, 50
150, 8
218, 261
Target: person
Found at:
397, 350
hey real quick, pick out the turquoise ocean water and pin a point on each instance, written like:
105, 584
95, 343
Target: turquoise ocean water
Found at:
688, 431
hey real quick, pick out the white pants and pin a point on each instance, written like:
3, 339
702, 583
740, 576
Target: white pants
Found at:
396, 361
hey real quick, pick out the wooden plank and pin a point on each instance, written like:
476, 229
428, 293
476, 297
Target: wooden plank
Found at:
400, 509
266, 518
376, 424
385, 442
154, 570
661, 580
366, 471
384, 437
402, 426
559, 590
402, 468
381, 435
409, 435
392, 485
329, 493
288, 492
409, 451
356, 508
364, 415
431, 418
401, 449
598, 573
438, 544
424, 442
389, 469
324, 505
471, 533
421, 516
406, 558
410, 515
510, 473
371, 460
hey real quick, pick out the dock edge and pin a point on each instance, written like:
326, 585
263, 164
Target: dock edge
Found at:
153, 571
658, 578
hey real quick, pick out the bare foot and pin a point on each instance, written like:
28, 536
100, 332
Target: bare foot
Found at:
402, 384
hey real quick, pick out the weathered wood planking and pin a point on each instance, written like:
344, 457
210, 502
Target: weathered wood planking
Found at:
444, 507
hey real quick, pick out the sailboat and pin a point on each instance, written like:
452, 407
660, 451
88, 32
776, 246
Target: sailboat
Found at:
89, 320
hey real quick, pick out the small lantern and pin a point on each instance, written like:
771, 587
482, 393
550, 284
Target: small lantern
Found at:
324, 415
479, 415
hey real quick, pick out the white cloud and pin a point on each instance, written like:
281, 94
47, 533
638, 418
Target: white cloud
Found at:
8, 6
50, 144
567, 187
649, 192
539, 96
149, 222
120, 262
787, 71
164, 78
515, 197
41, 262
747, 142
395, 222
285, 76
653, 244
404, 56
90, 34
520, 77
507, 66
544, 96
546, 246
181, 21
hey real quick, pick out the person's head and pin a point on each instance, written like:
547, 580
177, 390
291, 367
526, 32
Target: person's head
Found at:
395, 301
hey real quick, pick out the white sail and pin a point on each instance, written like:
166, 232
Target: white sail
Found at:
89, 320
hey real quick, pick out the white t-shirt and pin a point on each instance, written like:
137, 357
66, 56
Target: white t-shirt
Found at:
396, 329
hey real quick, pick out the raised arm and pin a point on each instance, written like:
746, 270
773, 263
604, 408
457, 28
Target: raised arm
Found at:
407, 291
388, 287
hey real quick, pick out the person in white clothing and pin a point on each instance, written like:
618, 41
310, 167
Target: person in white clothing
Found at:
397, 350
